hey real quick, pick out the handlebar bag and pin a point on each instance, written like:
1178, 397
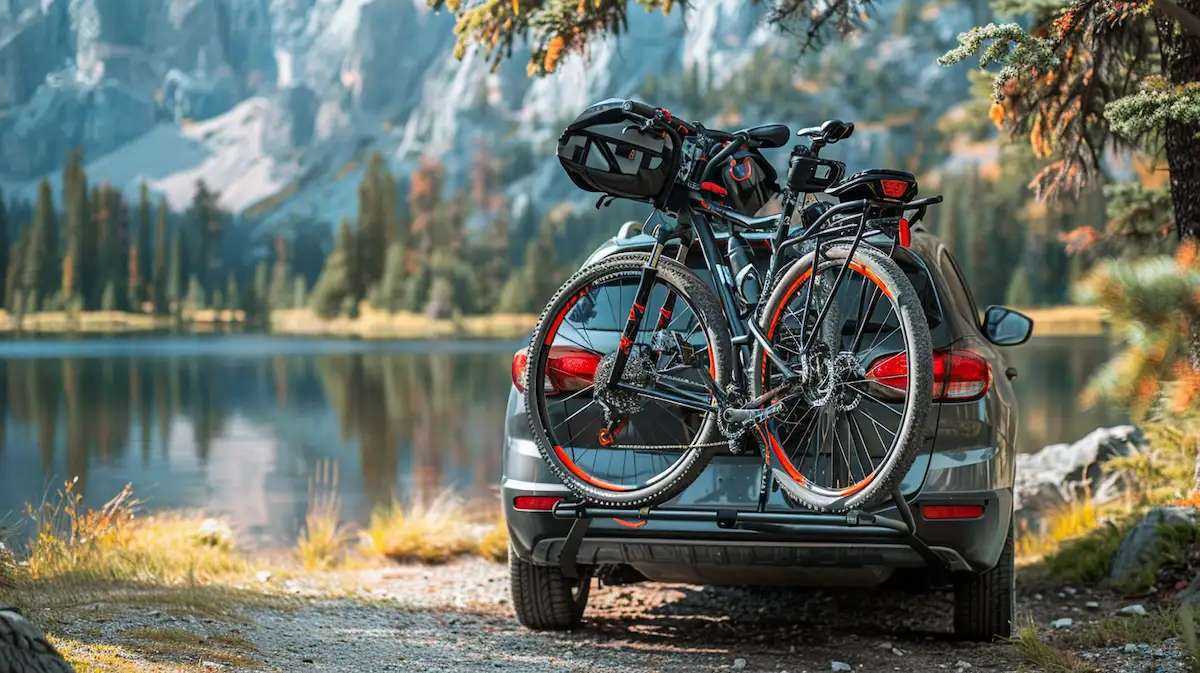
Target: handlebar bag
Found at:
604, 151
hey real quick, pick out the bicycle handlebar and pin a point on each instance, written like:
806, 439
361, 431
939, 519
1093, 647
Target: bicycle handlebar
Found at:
714, 165
736, 141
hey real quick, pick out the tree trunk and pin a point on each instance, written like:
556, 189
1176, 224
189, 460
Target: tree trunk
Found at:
1180, 65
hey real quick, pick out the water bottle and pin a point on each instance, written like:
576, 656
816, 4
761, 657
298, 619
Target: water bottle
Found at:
746, 281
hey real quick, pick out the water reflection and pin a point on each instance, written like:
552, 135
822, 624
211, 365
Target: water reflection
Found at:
234, 430
237, 424
1051, 372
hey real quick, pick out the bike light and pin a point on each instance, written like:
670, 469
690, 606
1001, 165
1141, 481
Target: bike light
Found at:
536, 503
958, 375
952, 511
568, 370
894, 188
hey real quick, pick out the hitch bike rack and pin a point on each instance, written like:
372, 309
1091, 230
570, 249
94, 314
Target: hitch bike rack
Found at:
758, 519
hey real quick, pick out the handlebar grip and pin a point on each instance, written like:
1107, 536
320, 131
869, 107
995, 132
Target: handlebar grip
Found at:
715, 164
639, 108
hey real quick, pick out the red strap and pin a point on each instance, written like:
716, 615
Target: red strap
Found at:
714, 188
749, 170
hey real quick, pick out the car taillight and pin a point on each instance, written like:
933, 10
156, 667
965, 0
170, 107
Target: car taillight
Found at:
536, 503
958, 375
569, 369
952, 511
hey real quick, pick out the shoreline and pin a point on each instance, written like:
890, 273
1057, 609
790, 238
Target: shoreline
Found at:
116, 322
1054, 321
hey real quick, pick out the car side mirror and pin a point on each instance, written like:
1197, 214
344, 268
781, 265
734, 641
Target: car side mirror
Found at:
1005, 327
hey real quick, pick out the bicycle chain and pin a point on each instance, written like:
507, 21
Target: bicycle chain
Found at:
730, 441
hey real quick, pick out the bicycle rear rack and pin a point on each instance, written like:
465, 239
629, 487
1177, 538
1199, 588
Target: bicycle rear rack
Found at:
759, 520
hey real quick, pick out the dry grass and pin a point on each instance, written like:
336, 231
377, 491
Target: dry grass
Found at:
96, 658
87, 568
1073, 521
114, 544
494, 545
435, 532
323, 540
372, 324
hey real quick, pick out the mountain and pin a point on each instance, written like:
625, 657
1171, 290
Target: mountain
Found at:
277, 103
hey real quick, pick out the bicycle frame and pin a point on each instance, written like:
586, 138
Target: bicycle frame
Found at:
745, 331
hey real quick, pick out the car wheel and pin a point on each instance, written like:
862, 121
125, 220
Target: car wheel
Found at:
984, 603
543, 598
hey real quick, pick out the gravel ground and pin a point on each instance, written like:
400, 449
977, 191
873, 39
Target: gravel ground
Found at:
458, 618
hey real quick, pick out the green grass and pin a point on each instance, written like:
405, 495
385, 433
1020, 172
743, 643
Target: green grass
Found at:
1153, 629
1046, 656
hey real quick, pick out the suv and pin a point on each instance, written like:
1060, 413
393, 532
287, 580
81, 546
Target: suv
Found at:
959, 491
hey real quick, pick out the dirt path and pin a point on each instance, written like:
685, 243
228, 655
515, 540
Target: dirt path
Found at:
457, 618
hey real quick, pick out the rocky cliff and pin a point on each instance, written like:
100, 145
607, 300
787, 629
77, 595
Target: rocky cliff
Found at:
275, 103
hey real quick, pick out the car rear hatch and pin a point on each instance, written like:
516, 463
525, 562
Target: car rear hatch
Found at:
731, 480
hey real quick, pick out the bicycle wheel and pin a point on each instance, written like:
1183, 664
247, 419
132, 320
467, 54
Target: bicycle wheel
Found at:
853, 424
617, 447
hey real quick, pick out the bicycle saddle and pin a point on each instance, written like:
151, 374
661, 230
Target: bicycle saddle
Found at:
769, 135
830, 132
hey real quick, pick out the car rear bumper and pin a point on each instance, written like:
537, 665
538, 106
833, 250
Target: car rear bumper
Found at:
965, 469
704, 552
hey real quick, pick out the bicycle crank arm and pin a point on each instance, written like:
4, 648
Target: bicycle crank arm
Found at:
751, 416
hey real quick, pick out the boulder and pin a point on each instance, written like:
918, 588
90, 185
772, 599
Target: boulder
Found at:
1062, 473
1139, 545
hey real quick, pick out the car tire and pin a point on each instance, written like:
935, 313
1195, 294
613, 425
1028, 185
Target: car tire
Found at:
543, 598
23, 647
985, 602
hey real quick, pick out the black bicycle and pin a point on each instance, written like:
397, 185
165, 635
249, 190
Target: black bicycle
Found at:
824, 362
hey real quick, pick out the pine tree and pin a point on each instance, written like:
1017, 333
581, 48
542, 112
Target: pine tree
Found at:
281, 287
4, 246
12, 274
195, 295
110, 217
332, 291
158, 284
174, 281
451, 289
77, 224
108, 300
140, 263
299, 293
391, 291
372, 235
259, 290
16, 268
207, 219
233, 299
41, 272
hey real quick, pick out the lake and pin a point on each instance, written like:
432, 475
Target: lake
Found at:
238, 425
